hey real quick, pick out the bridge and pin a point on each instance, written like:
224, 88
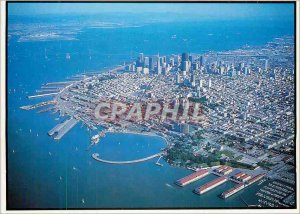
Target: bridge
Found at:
96, 157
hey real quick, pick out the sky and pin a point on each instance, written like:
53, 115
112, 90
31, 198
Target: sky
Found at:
214, 10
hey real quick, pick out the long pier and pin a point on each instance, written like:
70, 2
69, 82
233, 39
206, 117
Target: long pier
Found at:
96, 157
29, 107
42, 95
60, 83
62, 128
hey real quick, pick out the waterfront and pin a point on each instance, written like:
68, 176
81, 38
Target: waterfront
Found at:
64, 168
106, 181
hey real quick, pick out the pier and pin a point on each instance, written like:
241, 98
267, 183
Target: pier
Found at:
60, 83
29, 107
96, 157
41, 95
62, 128
210, 185
192, 177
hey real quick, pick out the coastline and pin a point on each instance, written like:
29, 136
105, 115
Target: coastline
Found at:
150, 134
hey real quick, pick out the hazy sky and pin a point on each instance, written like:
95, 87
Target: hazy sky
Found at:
216, 10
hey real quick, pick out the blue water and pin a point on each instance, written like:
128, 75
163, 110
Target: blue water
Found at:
34, 175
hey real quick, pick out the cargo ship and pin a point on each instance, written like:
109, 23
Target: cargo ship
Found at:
208, 186
192, 177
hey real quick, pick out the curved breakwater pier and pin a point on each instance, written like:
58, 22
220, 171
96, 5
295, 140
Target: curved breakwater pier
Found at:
96, 157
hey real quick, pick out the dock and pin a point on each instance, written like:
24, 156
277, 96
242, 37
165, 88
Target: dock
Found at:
62, 128
29, 107
42, 95
192, 177
60, 83
210, 185
241, 186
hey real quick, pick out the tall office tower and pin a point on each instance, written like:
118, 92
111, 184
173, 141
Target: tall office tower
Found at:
176, 59
201, 60
222, 70
241, 66
158, 67
201, 83
161, 60
178, 78
172, 62
146, 61
198, 91
164, 59
151, 64
191, 58
193, 78
232, 73
141, 57
193, 84
209, 83
185, 66
184, 57
266, 64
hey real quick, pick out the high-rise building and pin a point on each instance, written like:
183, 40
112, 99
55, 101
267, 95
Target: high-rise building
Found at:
185, 66
209, 83
146, 61
193, 78
178, 78
172, 62
176, 59
266, 66
141, 57
198, 91
158, 67
193, 83
185, 57
201, 60
201, 83
241, 66
151, 63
